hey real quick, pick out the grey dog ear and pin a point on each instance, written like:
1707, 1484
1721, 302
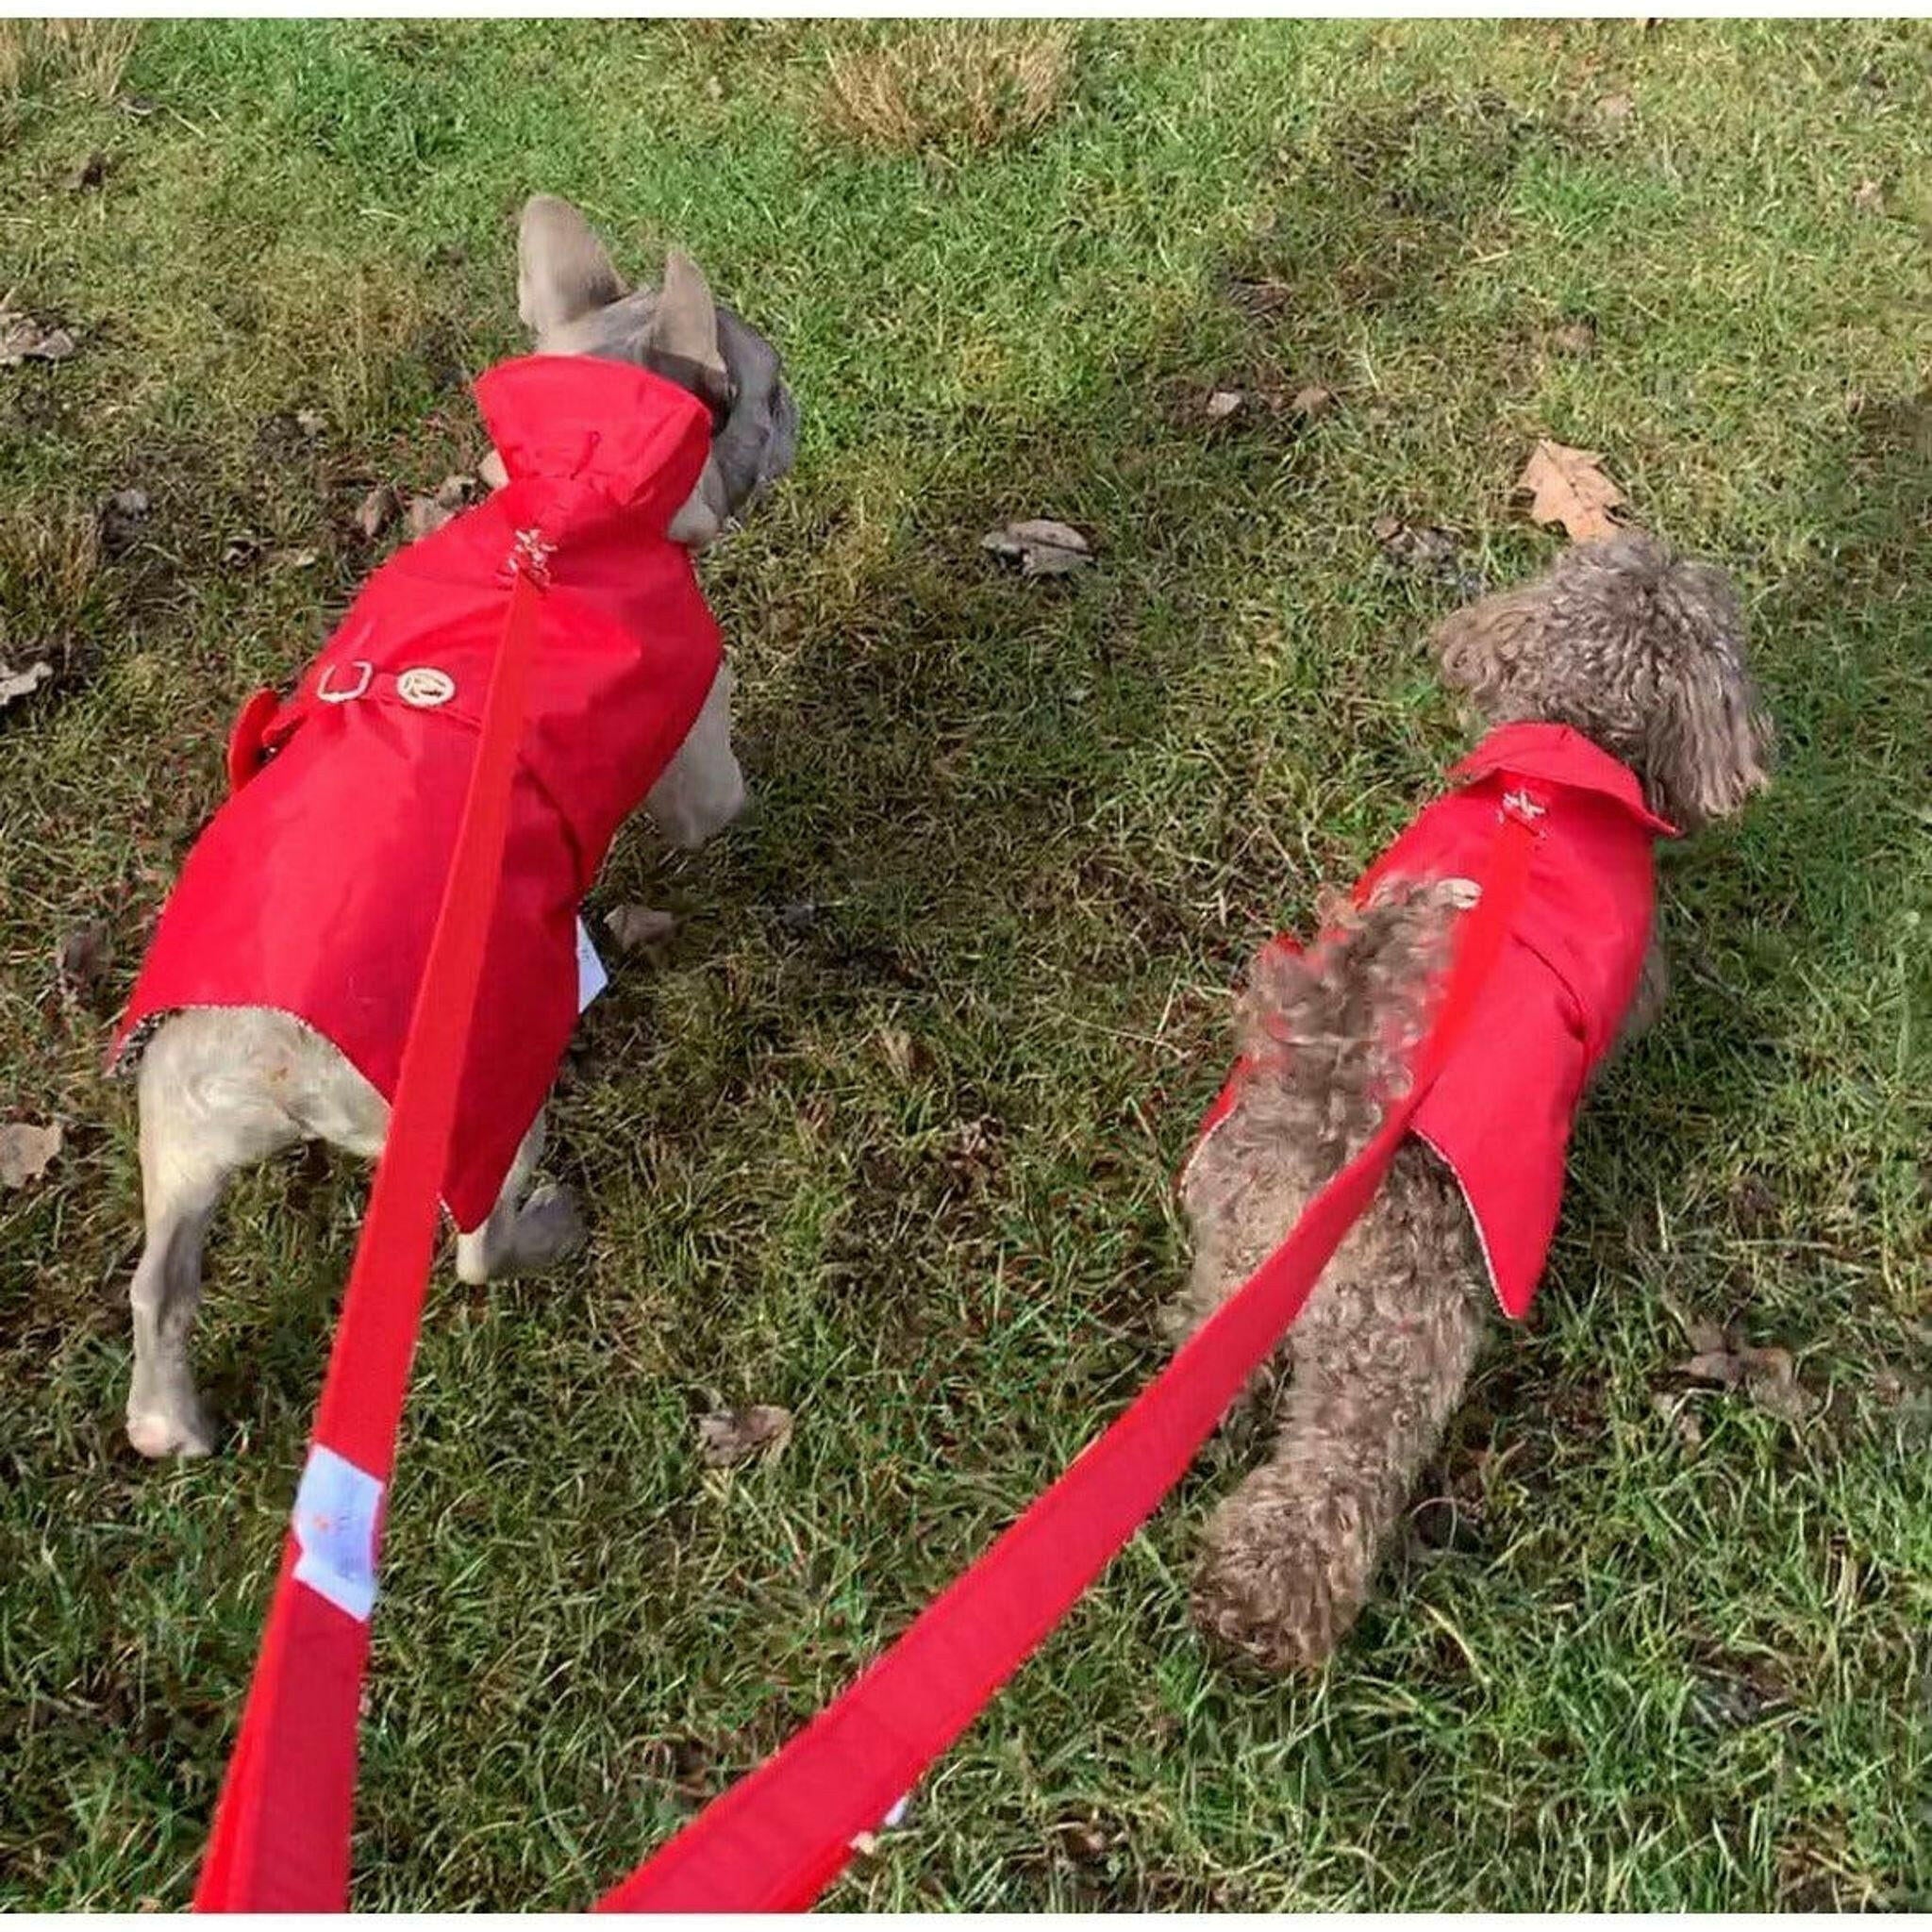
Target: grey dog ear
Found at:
563, 270
684, 325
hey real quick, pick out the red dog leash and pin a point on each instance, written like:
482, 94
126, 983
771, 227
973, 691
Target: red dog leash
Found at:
781, 1835
281, 1832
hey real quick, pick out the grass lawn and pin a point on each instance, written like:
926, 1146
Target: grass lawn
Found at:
886, 1134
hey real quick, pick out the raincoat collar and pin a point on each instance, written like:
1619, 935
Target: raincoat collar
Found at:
1559, 756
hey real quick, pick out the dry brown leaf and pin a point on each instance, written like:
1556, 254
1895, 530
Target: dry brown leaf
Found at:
633, 926
1568, 487
1770, 1380
1575, 338
1767, 1375
1313, 400
377, 513
1675, 1409
730, 1436
24, 340
83, 957
90, 174
18, 684
1041, 546
25, 1150
904, 1054
1717, 1365
1222, 402
426, 515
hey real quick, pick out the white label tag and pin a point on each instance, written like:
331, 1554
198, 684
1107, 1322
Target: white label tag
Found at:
591, 978
336, 1509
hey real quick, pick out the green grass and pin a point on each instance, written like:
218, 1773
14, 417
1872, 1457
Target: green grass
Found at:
1042, 827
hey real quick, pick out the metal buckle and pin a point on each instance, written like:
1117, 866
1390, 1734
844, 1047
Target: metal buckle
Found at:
329, 695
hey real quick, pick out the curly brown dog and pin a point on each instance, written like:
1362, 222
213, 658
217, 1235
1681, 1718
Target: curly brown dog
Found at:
1640, 653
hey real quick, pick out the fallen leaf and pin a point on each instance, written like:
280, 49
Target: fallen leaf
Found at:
904, 1055
122, 517
1221, 404
1041, 546
1770, 1380
378, 511
633, 926
1890, 1387
1083, 1840
1576, 338
1568, 487
25, 1152
24, 340
1868, 197
1707, 1338
1732, 1693
1717, 1365
426, 515
1767, 1375
1314, 400
1428, 551
1615, 108
83, 957
17, 684
1675, 1410
90, 174
728, 1436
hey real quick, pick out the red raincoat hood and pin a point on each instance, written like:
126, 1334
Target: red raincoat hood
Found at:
313, 890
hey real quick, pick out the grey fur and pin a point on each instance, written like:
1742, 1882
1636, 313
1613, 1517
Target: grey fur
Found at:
1642, 653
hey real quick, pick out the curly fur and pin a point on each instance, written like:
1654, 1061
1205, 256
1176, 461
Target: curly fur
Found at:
1642, 653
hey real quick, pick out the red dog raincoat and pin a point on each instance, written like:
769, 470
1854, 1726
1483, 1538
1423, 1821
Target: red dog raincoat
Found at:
1500, 1114
315, 888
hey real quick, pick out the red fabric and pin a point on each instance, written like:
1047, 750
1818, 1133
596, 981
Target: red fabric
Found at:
1500, 1113
779, 1837
281, 1834
315, 888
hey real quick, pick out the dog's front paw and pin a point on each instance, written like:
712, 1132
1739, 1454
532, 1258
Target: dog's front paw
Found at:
1268, 1589
549, 1228
183, 1430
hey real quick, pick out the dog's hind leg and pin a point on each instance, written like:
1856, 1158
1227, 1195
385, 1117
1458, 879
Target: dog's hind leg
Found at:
1381, 1356
209, 1107
522, 1237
